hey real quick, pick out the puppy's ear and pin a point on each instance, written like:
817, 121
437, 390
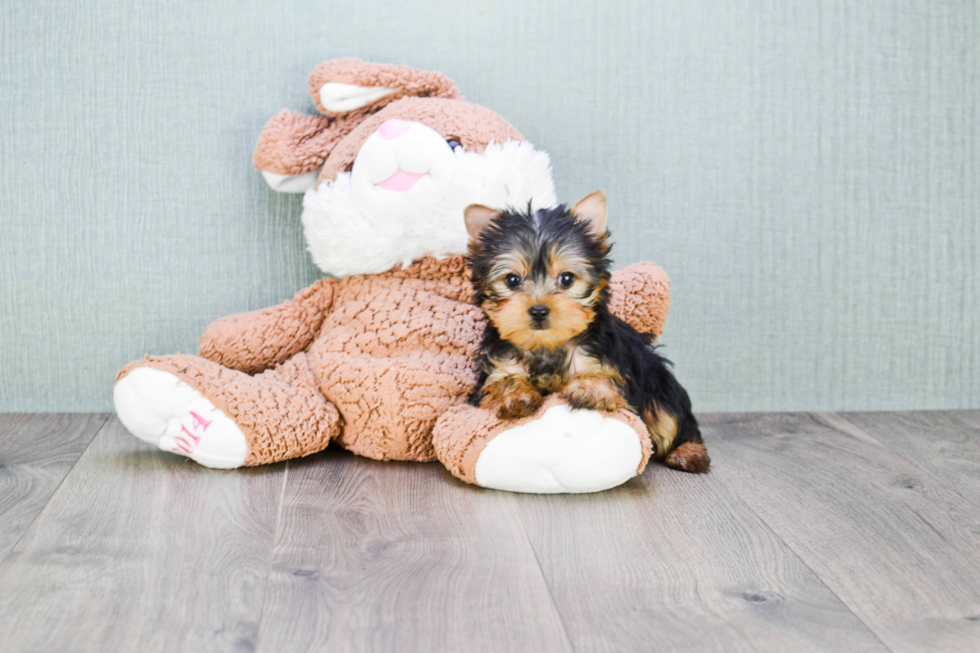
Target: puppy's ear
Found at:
592, 210
478, 218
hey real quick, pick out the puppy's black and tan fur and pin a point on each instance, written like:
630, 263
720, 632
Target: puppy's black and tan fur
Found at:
542, 278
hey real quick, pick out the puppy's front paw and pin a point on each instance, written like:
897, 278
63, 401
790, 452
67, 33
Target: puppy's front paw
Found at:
593, 392
519, 404
512, 398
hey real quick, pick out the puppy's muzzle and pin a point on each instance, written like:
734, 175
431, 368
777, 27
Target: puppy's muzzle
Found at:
539, 314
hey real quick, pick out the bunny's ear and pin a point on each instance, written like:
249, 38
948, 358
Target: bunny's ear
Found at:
343, 86
337, 97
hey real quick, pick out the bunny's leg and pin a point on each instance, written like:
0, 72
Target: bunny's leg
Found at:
556, 450
224, 418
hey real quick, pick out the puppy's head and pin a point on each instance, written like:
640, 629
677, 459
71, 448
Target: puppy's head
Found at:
540, 275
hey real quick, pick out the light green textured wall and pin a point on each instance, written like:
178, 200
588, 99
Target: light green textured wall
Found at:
807, 172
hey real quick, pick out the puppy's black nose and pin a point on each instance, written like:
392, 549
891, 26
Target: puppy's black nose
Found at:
538, 312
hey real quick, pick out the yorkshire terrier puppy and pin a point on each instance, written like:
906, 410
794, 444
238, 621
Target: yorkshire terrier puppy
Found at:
542, 278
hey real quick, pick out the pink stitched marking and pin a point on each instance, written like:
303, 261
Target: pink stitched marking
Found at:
393, 128
195, 438
198, 421
187, 447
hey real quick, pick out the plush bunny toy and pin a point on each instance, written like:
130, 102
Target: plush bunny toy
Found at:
381, 357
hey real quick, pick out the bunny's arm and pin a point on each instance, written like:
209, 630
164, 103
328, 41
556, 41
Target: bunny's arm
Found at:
640, 295
255, 341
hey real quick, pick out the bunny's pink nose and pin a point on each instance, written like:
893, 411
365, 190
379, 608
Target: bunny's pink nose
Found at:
392, 128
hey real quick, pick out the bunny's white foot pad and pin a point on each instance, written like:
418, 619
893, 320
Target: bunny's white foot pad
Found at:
564, 450
159, 408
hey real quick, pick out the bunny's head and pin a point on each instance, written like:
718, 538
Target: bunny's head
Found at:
390, 165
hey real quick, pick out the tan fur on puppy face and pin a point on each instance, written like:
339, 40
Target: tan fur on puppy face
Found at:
567, 319
510, 263
571, 309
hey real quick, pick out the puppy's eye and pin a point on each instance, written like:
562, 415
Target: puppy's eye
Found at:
566, 279
452, 143
512, 280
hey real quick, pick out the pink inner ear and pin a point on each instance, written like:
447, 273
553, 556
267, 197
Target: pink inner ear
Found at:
400, 181
592, 209
392, 128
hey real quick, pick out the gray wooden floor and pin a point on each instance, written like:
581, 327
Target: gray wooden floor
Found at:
813, 532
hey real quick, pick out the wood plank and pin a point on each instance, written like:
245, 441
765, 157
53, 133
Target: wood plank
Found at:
898, 546
969, 417
935, 440
388, 556
141, 550
673, 561
36, 453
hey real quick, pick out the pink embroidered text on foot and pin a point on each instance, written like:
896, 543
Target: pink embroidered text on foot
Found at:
159, 408
182, 444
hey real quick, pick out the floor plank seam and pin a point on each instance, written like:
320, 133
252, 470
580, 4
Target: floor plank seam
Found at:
898, 452
544, 579
272, 557
735, 493
40, 512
